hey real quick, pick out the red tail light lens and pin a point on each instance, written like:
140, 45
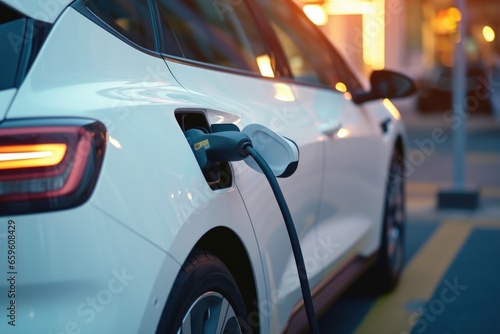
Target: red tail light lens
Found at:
48, 164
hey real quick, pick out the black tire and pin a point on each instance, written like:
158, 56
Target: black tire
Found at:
384, 275
387, 270
204, 289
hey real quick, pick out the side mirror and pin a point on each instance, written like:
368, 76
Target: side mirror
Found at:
385, 84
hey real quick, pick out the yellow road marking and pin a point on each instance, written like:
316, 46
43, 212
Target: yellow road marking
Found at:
426, 188
488, 223
422, 187
490, 192
421, 276
493, 223
483, 158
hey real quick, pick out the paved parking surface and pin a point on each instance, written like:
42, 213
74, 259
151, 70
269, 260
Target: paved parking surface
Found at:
450, 285
451, 281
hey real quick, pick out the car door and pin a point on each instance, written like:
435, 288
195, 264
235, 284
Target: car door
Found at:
215, 51
349, 213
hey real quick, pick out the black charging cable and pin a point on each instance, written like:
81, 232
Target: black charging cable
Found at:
235, 146
292, 233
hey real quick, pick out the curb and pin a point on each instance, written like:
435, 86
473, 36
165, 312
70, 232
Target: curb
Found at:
421, 202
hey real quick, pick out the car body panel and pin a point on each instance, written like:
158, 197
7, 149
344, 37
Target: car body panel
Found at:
172, 204
94, 266
152, 204
258, 100
355, 166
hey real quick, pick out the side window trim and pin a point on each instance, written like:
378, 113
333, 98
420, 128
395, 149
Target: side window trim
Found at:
155, 21
80, 7
271, 41
282, 60
209, 66
159, 26
254, 17
301, 16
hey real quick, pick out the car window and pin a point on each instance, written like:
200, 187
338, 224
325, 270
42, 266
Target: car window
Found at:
310, 56
132, 19
215, 32
19, 46
12, 26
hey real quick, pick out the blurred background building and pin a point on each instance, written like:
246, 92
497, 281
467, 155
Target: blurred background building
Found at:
416, 37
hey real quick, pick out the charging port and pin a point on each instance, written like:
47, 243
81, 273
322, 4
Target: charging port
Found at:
220, 174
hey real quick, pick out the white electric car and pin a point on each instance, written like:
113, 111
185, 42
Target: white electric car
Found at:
109, 225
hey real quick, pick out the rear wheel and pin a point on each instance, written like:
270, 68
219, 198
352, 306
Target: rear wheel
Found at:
385, 273
204, 299
391, 254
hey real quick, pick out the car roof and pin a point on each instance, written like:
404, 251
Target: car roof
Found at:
46, 11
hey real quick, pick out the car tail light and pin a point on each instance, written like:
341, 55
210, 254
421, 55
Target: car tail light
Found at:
48, 164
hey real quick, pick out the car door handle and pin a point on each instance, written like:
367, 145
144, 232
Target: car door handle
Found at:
330, 129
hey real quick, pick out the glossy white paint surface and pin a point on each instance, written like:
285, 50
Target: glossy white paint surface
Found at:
83, 269
150, 183
254, 101
355, 168
152, 204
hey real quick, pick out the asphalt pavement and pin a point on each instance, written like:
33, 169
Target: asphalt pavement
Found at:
450, 283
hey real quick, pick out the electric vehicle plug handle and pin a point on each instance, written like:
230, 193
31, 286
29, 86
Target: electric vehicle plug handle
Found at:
234, 146
216, 147
280, 153
228, 146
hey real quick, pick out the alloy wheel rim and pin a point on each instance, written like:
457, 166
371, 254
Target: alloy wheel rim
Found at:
210, 313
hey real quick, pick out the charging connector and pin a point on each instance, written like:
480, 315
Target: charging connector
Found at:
210, 148
215, 147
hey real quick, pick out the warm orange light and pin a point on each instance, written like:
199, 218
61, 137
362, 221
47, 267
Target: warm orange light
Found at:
454, 14
23, 156
392, 108
374, 36
343, 133
357, 7
316, 14
446, 21
265, 67
373, 15
341, 87
283, 92
488, 34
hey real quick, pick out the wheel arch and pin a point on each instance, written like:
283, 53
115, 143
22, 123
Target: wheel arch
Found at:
228, 247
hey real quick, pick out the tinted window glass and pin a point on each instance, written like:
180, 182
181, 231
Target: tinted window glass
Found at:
132, 19
305, 51
310, 56
215, 32
12, 27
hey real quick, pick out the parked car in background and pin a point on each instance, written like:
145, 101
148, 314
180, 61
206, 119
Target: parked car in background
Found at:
435, 91
110, 224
